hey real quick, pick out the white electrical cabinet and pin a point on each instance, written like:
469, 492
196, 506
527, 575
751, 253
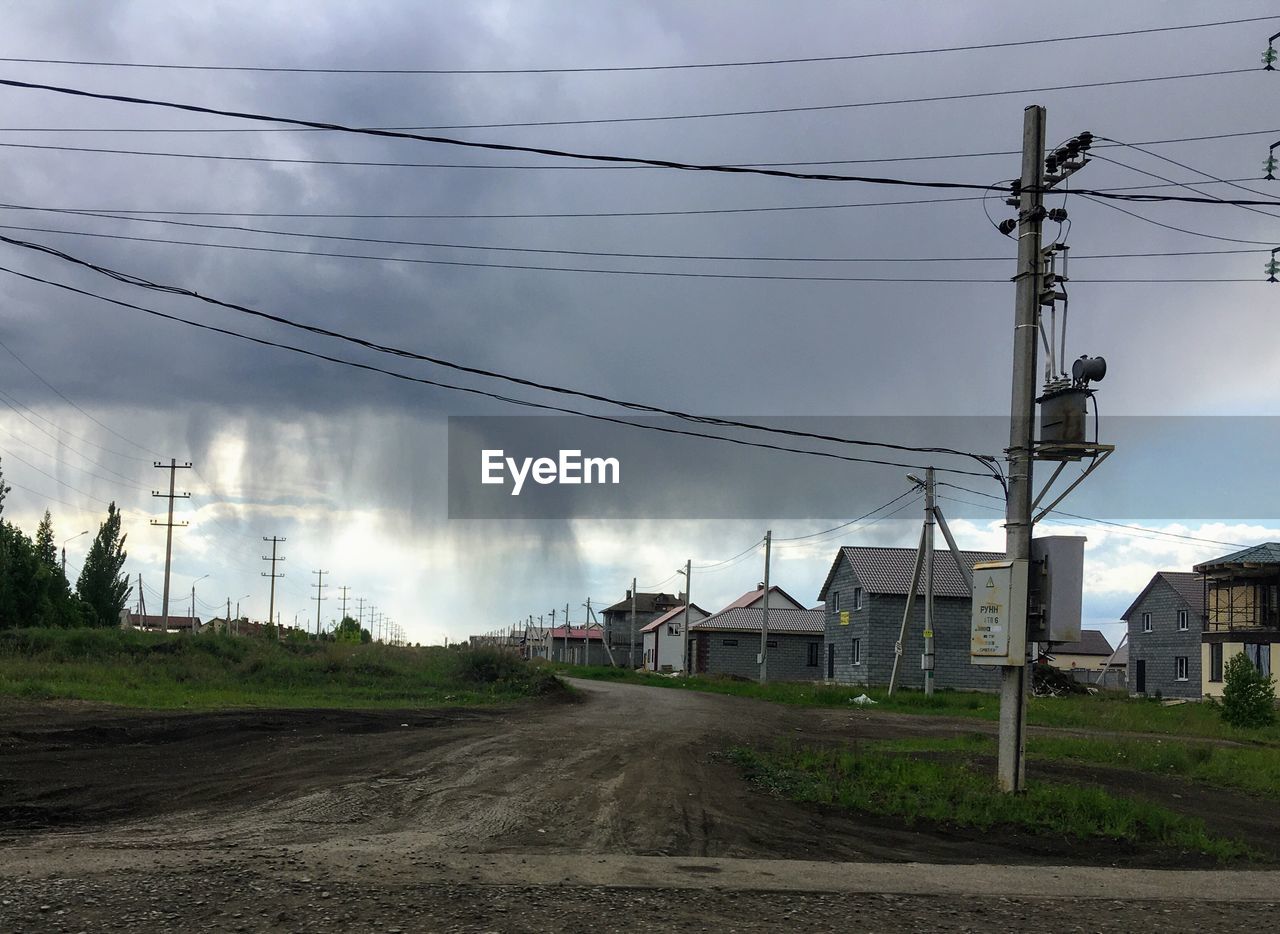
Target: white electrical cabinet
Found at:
998, 629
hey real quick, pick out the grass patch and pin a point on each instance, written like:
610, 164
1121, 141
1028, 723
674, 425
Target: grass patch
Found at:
919, 790
1254, 769
1104, 712
139, 669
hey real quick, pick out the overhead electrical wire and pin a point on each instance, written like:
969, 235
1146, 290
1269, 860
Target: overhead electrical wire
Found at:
1120, 525
141, 282
748, 63
118, 477
475, 391
484, 247
845, 525
593, 157
18, 406
586, 270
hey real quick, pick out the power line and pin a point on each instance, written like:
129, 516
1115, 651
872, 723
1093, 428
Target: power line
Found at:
599, 69
582, 270
18, 406
9, 350
498, 248
1174, 227
843, 525
1119, 525
475, 391
595, 157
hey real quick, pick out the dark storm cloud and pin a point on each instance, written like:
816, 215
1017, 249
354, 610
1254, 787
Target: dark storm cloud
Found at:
334, 438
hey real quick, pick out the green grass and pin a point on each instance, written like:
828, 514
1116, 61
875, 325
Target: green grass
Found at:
139, 669
919, 790
1254, 769
1104, 712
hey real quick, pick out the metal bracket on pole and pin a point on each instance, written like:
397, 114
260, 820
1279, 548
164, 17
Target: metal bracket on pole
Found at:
1101, 453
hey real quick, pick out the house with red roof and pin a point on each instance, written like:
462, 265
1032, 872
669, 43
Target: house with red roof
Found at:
664, 638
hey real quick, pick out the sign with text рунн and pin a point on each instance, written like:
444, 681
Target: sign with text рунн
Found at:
998, 629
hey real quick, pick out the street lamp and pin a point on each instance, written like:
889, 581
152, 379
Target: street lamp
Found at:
64, 549
237, 622
193, 601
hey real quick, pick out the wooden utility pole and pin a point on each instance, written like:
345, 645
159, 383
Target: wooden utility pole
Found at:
319, 597
631, 659
344, 601
169, 525
688, 599
764, 613
274, 559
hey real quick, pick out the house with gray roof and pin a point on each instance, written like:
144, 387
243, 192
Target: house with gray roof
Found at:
865, 597
1166, 622
623, 633
728, 643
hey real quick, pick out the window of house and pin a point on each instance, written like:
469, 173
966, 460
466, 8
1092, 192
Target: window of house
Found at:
1180, 668
857, 598
672, 630
729, 642
1215, 661
1182, 621
812, 659
1146, 622
1260, 654
835, 601
857, 651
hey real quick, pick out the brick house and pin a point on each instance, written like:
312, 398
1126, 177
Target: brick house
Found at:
617, 622
865, 597
727, 643
1241, 594
1166, 623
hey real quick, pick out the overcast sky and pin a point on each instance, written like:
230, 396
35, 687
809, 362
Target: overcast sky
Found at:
349, 466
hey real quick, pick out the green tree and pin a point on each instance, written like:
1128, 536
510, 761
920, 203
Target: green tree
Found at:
102, 585
45, 548
349, 631
1248, 696
3, 489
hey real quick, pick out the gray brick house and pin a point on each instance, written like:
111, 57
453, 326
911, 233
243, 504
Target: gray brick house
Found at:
865, 596
617, 623
1166, 622
727, 643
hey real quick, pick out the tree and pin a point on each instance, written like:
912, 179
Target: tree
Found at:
3, 490
349, 631
102, 586
1248, 696
45, 548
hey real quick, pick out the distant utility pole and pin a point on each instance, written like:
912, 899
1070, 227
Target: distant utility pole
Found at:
631, 658
344, 601
319, 597
274, 559
764, 613
564, 657
688, 599
172, 467
360, 611
372, 622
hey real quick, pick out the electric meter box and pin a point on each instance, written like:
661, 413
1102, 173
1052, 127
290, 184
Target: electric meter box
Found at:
1057, 582
998, 626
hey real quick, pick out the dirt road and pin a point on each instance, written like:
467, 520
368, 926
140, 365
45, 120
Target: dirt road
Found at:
617, 811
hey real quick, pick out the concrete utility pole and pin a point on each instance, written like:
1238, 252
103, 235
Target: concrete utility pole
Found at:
1011, 768
319, 597
274, 559
172, 467
548, 637
764, 612
344, 601
631, 657
193, 602
928, 661
564, 656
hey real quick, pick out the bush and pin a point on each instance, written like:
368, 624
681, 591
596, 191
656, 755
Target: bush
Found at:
487, 666
1248, 696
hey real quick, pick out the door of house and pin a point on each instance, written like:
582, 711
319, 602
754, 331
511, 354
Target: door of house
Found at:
831, 661
1140, 677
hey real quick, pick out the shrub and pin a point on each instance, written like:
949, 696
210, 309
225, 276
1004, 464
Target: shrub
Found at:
487, 665
1248, 696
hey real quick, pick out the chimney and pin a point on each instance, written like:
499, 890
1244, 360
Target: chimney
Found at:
628, 595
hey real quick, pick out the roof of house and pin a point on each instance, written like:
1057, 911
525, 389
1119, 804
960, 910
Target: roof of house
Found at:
175, 622
756, 594
748, 619
1092, 642
888, 570
1188, 586
577, 633
1266, 553
672, 614
645, 603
